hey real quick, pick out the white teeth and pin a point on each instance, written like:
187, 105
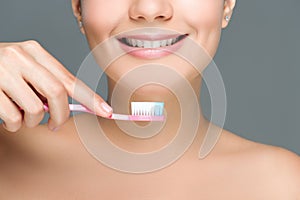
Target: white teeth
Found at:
163, 43
147, 44
151, 44
134, 43
140, 43
156, 44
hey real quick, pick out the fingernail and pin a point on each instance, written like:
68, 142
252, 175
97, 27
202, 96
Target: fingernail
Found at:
54, 129
106, 107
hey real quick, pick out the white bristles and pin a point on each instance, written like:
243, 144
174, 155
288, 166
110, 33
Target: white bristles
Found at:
147, 108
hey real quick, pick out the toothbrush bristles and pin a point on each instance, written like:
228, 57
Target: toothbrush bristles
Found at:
147, 108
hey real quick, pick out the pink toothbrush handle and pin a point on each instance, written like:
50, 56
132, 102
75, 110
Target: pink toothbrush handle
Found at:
81, 108
73, 107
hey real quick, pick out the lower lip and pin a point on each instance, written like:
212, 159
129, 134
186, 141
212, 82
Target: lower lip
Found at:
152, 53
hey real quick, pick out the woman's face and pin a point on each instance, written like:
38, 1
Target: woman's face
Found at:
198, 20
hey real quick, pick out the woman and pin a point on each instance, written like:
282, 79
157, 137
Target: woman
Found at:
56, 166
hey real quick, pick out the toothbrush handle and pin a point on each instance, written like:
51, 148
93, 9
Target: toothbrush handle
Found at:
73, 107
81, 108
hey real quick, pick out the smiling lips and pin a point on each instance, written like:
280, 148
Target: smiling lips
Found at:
151, 47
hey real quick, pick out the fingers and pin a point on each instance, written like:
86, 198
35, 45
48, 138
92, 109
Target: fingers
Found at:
57, 100
82, 93
30, 76
75, 87
18, 69
46, 84
25, 98
9, 113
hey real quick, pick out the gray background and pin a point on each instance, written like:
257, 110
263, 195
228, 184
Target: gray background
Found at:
259, 59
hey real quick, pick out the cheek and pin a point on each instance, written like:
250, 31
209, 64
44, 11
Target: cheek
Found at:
205, 18
199, 13
100, 17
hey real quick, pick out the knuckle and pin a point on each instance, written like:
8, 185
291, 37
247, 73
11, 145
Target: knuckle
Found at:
32, 124
12, 129
31, 44
70, 82
11, 51
32, 121
14, 119
57, 90
36, 109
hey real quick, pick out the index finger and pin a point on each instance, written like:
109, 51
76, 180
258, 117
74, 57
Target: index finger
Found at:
89, 98
83, 93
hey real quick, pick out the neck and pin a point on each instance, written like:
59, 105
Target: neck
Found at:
173, 110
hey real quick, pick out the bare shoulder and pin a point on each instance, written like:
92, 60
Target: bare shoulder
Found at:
276, 167
283, 167
27, 138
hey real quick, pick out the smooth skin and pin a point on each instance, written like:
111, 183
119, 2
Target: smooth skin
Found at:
36, 163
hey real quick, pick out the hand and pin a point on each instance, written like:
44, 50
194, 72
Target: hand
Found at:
29, 77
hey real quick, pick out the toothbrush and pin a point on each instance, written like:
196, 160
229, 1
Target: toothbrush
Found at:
140, 111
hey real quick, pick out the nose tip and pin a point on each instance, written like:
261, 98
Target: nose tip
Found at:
151, 10
151, 19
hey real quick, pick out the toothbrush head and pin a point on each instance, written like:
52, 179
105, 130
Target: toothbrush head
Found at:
143, 111
147, 108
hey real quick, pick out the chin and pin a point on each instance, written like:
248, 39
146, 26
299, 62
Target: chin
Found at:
151, 92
